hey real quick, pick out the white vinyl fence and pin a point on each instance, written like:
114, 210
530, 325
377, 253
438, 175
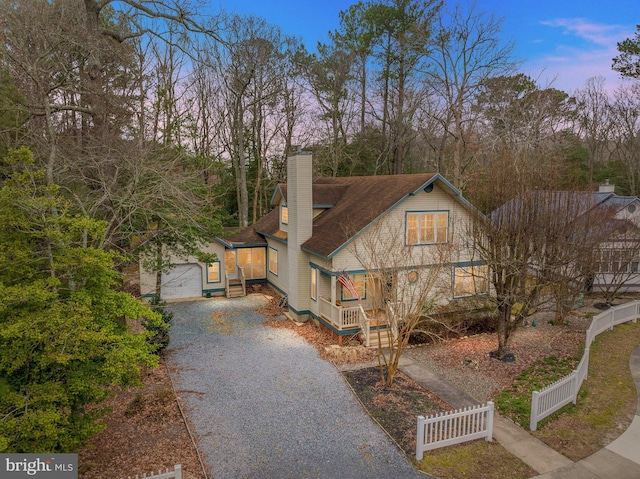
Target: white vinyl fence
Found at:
446, 429
551, 398
175, 474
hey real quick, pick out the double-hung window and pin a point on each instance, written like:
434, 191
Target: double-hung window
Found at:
273, 261
314, 284
427, 227
213, 272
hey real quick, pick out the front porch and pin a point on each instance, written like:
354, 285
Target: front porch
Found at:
349, 321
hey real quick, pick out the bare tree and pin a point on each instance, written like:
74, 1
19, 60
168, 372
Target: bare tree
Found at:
593, 121
466, 52
540, 249
405, 285
249, 66
626, 132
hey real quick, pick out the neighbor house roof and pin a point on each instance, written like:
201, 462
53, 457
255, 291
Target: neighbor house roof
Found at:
350, 204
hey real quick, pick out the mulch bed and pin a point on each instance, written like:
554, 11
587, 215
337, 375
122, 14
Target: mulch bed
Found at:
395, 407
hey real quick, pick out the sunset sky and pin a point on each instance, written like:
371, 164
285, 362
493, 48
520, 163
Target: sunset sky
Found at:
564, 41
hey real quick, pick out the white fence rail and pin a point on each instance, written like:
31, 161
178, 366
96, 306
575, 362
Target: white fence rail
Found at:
446, 429
557, 395
175, 474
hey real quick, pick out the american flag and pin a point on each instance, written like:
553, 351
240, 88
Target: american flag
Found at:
346, 281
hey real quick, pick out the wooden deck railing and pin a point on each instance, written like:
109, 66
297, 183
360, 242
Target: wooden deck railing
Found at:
340, 317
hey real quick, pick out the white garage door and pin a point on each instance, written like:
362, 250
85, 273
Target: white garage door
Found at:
183, 281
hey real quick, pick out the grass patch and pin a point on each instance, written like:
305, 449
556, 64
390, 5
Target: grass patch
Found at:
396, 409
477, 459
607, 401
515, 401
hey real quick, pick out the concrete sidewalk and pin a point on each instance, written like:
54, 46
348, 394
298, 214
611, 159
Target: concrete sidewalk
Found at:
619, 460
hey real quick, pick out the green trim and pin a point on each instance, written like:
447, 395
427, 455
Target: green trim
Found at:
300, 312
344, 332
418, 212
275, 273
277, 288
267, 235
219, 273
437, 176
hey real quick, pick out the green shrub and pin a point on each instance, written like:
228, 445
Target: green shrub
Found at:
159, 332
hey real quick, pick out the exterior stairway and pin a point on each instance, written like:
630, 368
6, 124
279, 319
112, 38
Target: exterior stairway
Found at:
235, 289
385, 338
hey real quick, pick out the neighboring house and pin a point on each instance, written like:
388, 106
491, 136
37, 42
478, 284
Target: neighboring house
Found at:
619, 257
608, 222
306, 243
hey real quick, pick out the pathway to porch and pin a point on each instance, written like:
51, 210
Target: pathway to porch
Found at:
264, 404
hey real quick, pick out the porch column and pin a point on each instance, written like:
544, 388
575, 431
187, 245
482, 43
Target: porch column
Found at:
333, 290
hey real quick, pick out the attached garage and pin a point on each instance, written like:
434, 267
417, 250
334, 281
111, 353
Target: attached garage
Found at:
183, 281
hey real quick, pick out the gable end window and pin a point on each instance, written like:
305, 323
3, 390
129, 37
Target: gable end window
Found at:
427, 227
284, 215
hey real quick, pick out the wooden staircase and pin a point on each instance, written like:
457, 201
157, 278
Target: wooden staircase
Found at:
236, 287
383, 342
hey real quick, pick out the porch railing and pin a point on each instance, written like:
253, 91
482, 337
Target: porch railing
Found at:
242, 280
341, 317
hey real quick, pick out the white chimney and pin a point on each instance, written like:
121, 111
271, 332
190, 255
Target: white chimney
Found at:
300, 229
607, 188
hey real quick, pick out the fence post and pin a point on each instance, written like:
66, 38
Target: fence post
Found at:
574, 386
533, 421
178, 469
490, 421
420, 439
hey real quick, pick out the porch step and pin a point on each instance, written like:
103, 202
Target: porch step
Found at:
385, 338
235, 290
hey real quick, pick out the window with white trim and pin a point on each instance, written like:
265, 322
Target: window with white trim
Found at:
470, 280
273, 261
427, 227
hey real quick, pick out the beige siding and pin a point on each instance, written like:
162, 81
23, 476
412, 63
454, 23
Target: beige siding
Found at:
392, 230
148, 279
281, 280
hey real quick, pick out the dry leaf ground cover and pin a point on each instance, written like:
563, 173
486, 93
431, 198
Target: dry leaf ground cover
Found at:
145, 430
144, 433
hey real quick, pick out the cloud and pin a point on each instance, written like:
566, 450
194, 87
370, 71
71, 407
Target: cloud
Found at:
585, 50
596, 33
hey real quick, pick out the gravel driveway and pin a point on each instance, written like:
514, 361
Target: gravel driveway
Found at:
263, 403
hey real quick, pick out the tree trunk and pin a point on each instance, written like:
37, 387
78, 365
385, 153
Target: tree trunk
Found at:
504, 330
158, 269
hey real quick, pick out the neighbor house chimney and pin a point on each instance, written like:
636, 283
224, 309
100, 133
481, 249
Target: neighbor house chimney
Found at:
607, 188
300, 229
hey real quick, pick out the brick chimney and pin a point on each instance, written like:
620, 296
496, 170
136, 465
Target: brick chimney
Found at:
300, 229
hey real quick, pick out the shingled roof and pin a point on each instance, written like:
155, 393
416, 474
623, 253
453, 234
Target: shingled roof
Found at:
351, 204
